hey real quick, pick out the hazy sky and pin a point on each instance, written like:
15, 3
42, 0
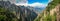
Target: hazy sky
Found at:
34, 3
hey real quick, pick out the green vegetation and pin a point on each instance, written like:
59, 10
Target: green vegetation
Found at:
47, 18
38, 18
2, 18
6, 15
50, 6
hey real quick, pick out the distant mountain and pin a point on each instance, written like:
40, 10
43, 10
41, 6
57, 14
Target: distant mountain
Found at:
36, 9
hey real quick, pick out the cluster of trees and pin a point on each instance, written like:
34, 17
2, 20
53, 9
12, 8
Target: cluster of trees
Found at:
6, 15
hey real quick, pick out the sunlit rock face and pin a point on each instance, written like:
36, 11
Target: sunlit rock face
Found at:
58, 12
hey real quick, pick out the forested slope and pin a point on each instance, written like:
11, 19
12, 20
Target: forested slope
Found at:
51, 11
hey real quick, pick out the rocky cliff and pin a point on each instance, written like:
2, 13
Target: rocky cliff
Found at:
53, 8
19, 13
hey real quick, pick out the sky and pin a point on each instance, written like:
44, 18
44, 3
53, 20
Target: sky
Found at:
40, 1
33, 3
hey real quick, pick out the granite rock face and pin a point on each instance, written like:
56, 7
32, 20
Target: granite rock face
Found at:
22, 13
